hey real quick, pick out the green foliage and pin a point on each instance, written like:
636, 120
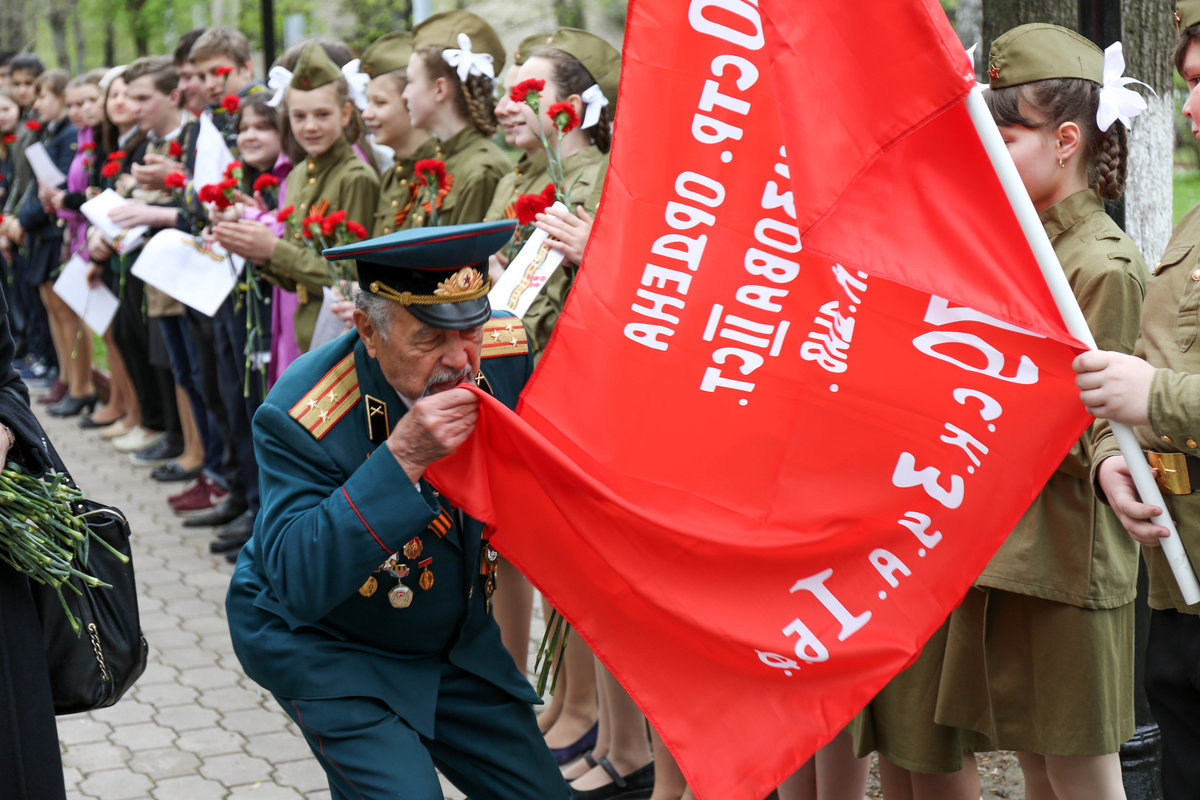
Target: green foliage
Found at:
374, 17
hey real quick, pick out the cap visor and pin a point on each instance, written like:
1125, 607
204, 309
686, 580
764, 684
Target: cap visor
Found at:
454, 316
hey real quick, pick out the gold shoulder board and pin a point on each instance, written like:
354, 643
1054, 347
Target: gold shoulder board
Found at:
327, 402
504, 336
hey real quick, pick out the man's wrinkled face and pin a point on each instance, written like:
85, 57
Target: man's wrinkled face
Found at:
418, 359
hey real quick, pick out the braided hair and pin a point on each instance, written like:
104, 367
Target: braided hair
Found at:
1060, 100
474, 98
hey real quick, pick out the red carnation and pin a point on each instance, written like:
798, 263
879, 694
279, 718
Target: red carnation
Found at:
530, 205
111, 169
221, 72
10, 138
175, 150
229, 169
354, 229
227, 184
427, 167
230, 103
33, 125
116, 155
522, 90
208, 193
330, 223
284, 213
265, 181
548, 194
86, 146
563, 116
175, 180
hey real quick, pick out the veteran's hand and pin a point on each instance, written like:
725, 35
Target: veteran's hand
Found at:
1114, 386
1122, 495
432, 429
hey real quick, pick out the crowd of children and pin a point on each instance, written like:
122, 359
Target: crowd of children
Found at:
331, 149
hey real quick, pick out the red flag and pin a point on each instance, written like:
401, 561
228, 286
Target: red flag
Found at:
808, 379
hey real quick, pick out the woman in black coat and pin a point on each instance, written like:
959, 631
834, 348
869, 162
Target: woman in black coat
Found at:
30, 765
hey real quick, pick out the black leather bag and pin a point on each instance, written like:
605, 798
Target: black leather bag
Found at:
93, 668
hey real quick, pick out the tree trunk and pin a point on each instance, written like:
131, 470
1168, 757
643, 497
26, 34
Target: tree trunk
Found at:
12, 25
57, 17
1148, 38
968, 22
569, 13
1000, 15
77, 31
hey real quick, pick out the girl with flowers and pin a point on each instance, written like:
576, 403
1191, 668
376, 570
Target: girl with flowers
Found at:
10, 113
324, 122
451, 75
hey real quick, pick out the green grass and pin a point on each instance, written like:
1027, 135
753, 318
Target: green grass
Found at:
1187, 193
99, 353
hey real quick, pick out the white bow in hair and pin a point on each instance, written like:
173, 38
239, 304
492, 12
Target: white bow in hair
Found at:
593, 101
1117, 102
278, 80
358, 83
468, 63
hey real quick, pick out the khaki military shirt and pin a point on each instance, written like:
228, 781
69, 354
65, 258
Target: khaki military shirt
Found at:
1170, 320
583, 171
474, 165
398, 190
1068, 547
342, 180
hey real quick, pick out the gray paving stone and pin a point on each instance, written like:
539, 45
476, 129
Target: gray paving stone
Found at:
236, 769
210, 742
209, 624
166, 762
127, 711
88, 758
161, 695
187, 718
80, 729
156, 671
254, 721
142, 736
196, 656
211, 677
229, 699
279, 747
116, 784
153, 623
264, 791
192, 787
305, 775
196, 607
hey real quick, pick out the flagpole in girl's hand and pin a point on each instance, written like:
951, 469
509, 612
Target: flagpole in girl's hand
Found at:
1064, 298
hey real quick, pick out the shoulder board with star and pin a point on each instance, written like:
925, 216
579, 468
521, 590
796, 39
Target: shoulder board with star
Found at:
504, 336
327, 402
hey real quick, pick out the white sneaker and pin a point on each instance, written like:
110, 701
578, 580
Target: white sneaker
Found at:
135, 440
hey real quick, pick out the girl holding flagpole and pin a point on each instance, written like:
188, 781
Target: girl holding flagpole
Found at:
1039, 656
451, 74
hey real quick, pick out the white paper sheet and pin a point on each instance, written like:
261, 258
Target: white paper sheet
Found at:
212, 154
123, 240
177, 264
43, 166
526, 274
96, 307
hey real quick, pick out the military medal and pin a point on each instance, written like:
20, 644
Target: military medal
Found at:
400, 596
368, 588
487, 566
413, 548
489, 586
426, 579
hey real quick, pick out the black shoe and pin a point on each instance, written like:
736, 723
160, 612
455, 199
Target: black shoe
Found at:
71, 406
232, 555
217, 546
637, 784
166, 473
224, 512
87, 422
240, 528
161, 452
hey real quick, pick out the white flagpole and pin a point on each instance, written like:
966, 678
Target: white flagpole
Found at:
1056, 279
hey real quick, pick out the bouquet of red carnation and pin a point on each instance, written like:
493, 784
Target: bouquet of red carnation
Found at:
230, 103
33, 125
223, 194
323, 229
175, 149
528, 206
435, 182
175, 180
113, 166
10, 138
563, 117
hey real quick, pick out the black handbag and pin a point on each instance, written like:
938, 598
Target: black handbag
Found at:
94, 668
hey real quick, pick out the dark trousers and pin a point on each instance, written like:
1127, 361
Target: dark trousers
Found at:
153, 386
486, 743
240, 397
1173, 689
16, 305
186, 367
203, 336
35, 327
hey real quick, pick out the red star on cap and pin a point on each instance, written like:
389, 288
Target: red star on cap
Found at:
993, 72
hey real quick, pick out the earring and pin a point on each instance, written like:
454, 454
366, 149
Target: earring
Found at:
1061, 165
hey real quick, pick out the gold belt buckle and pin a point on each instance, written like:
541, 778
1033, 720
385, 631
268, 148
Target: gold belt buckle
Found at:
1171, 472
301, 294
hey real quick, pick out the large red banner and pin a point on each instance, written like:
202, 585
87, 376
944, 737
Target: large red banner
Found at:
808, 379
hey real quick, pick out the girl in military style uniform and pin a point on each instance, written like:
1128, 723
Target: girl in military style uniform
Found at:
1160, 397
1051, 616
386, 117
324, 122
456, 56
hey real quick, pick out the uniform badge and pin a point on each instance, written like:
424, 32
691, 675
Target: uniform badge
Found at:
426, 579
377, 419
413, 548
369, 586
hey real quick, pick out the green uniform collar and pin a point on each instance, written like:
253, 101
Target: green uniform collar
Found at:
334, 155
1065, 214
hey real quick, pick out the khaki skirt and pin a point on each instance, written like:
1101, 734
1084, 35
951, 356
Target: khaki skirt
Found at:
1039, 676
898, 723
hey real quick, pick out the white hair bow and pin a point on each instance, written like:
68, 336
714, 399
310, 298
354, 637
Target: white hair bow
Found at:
593, 101
278, 80
358, 81
468, 63
1117, 102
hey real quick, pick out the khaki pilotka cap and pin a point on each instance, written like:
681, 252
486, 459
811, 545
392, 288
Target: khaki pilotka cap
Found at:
1187, 14
1040, 51
388, 53
598, 57
443, 29
527, 46
314, 68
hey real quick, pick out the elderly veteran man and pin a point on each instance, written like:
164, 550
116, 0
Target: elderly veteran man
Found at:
362, 601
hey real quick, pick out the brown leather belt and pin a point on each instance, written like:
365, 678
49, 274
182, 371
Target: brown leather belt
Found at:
1176, 473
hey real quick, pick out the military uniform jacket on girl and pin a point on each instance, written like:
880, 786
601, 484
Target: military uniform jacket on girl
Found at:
341, 181
312, 611
398, 190
584, 173
1170, 320
1069, 547
474, 165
